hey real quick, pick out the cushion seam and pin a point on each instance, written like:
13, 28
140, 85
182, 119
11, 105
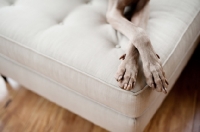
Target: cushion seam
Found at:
192, 20
61, 85
64, 64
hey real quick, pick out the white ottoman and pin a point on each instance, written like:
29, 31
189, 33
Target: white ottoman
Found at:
65, 51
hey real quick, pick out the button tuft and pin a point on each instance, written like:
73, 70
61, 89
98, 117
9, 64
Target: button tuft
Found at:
118, 46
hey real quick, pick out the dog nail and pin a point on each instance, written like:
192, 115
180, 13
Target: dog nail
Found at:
122, 57
125, 86
166, 82
119, 78
165, 90
164, 73
129, 87
158, 56
133, 83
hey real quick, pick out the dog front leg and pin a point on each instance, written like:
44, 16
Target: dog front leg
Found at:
152, 68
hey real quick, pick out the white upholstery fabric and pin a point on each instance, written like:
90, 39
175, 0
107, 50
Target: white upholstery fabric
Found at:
71, 43
98, 114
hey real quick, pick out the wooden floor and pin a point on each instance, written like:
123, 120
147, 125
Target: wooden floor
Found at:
24, 111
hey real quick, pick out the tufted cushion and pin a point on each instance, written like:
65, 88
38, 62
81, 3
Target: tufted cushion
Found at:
71, 43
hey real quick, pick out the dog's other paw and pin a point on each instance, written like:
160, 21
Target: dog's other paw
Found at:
155, 76
127, 72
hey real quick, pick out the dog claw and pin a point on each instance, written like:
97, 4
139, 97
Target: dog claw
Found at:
152, 85
166, 82
125, 86
134, 83
122, 57
158, 56
119, 78
165, 90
